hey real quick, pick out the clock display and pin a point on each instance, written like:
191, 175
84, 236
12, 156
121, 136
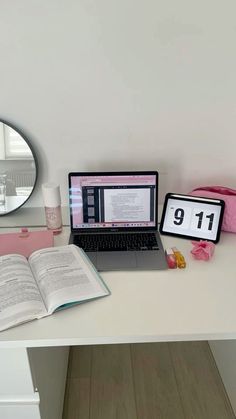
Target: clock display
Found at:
192, 217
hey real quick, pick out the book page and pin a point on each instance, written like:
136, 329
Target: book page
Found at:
20, 299
65, 276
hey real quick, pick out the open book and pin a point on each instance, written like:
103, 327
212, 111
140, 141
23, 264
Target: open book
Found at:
51, 279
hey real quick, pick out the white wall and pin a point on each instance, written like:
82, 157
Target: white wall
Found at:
123, 84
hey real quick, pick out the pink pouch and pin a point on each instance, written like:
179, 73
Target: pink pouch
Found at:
229, 196
25, 242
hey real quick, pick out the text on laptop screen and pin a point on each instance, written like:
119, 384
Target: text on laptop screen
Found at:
107, 201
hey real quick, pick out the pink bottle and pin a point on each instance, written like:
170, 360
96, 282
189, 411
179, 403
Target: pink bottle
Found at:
52, 204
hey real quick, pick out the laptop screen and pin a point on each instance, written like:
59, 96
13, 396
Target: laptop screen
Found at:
113, 200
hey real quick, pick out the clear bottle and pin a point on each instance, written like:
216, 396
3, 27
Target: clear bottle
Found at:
52, 205
2, 189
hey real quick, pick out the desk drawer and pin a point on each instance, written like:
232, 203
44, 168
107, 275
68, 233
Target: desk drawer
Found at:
19, 411
15, 373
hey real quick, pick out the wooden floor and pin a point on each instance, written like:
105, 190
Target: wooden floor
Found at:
145, 381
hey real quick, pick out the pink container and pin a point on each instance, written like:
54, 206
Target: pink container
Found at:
229, 196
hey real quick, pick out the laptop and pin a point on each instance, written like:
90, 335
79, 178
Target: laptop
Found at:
114, 217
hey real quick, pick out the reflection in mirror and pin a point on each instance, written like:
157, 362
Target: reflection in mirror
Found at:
18, 171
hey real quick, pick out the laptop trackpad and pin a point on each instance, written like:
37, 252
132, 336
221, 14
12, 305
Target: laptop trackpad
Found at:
107, 261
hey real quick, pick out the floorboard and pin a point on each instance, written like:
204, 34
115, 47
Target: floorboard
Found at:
155, 386
112, 391
77, 396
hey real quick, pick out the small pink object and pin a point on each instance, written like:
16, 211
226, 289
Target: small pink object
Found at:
24, 232
203, 250
170, 259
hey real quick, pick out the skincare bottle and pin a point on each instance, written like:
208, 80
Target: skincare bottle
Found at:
52, 204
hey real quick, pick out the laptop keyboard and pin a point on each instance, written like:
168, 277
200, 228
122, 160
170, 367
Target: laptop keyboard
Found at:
115, 242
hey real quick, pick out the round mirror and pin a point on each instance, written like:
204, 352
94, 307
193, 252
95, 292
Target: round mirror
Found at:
18, 169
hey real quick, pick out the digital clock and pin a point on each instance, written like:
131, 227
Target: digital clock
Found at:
192, 217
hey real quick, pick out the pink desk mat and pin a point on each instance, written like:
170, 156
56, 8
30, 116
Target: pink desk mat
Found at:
25, 242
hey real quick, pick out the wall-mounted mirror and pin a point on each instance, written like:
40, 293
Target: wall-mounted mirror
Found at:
18, 168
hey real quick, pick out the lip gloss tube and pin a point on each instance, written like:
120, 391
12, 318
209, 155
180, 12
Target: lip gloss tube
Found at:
170, 259
179, 258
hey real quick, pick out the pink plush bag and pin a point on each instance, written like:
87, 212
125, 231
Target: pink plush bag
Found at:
229, 196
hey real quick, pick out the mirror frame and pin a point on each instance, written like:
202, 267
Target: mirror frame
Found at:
35, 161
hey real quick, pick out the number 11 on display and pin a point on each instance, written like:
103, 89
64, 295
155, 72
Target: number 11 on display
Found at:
202, 220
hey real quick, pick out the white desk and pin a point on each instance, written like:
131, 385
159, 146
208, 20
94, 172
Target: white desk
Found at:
197, 303
191, 304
